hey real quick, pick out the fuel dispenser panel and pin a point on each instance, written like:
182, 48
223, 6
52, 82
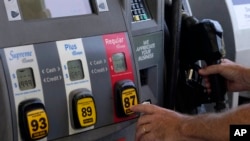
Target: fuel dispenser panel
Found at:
72, 73
75, 72
23, 68
146, 20
90, 90
149, 53
120, 64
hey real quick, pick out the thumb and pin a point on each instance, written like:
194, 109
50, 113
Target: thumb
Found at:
213, 69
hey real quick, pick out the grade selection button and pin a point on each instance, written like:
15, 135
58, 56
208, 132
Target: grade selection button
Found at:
33, 120
83, 109
126, 97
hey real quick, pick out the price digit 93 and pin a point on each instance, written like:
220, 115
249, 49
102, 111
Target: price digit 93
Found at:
38, 124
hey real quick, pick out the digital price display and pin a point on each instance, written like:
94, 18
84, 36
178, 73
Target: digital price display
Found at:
75, 70
119, 62
25, 78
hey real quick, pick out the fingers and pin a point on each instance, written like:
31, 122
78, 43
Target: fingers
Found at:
207, 84
142, 127
145, 122
143, 108
213, 69
142, 131
145, 119
226, 61
148, 137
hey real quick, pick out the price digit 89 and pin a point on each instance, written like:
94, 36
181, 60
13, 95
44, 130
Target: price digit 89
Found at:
86, 112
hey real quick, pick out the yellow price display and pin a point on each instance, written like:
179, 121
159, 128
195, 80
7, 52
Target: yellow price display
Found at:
37, 123
129, 98
86, 111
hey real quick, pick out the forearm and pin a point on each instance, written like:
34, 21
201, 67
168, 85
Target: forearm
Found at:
214, 127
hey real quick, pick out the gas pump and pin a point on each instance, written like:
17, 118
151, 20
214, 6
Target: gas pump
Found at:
71, 70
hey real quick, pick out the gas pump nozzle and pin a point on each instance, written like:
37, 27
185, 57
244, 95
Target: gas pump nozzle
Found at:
202, 41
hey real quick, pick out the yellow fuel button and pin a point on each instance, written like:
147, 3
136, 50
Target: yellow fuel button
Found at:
126, 97
33, 120
83, 109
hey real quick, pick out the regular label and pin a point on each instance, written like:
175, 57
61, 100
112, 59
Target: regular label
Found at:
37, 123
86, 112
129, 98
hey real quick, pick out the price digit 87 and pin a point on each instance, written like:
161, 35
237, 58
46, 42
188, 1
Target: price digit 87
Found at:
129, 98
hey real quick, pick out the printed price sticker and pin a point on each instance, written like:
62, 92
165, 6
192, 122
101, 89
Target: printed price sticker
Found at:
37, 123
129, 98
86, 112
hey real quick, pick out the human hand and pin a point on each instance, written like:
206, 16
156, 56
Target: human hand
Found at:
237, 76
157, 123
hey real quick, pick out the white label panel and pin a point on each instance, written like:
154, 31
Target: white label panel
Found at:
71, 50
20, 58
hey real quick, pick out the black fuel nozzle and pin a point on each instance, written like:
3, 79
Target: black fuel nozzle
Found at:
203, 41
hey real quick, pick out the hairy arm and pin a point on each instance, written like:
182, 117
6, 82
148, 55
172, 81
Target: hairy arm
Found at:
214, 127
158, 123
